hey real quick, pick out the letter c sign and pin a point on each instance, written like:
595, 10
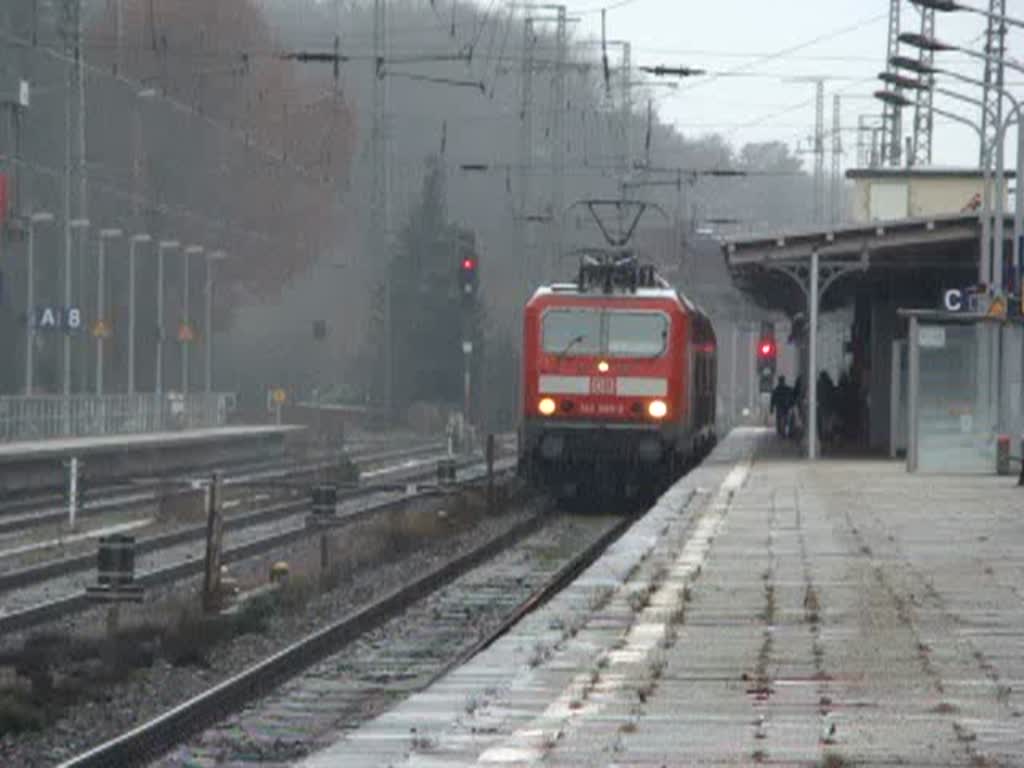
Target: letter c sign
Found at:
954, 300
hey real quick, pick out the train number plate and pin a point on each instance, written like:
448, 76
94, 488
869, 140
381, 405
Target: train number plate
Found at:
602, 385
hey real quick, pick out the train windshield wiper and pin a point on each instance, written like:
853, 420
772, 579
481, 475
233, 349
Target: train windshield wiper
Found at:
572, 343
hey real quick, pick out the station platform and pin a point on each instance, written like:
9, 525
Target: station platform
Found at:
768, 610
39, 464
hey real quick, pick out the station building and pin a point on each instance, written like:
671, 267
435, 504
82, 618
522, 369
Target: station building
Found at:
910, 250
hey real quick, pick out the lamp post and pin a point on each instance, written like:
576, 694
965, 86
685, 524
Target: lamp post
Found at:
79, 226
208, 320
39, 217
985, 258
931, 44
135, 240
185, 331
947, 6
994, 276
161, 248
101, 301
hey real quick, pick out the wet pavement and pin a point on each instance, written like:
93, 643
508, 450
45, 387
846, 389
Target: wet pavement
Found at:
766, 611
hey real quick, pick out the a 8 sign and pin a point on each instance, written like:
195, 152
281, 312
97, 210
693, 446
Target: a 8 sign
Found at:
68, 319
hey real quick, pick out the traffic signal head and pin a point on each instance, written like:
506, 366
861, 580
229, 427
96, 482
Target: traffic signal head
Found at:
468, 275
766, 357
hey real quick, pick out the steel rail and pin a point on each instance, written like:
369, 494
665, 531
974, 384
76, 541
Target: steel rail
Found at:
275, 509
78, 602
129, 494
156, 737
9, 505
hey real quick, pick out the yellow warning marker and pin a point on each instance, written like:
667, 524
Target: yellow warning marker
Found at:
101, 329
998, 308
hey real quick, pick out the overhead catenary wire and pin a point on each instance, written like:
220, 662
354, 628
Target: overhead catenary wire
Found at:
135, 86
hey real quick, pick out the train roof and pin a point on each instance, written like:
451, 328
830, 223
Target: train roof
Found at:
656, 292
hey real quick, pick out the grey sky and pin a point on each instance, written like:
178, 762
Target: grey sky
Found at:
729, 35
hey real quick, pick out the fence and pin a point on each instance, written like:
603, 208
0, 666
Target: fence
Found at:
44, 417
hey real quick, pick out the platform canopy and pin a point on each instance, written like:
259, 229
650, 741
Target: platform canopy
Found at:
908, 255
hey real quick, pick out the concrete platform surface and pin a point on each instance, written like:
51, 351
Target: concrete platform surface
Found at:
767, 611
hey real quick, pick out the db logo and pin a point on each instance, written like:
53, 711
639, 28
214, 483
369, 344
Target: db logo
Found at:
600, 385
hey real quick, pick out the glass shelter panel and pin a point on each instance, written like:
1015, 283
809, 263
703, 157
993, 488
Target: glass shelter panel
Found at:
955, 404
1013, 362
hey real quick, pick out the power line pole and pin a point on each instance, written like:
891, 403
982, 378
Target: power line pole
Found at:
992, 110
75, 99
819, 151
526, 151
83, 200
991, 127
559, 139
380, 213
924, 118
837, 156
627, 110
892, 122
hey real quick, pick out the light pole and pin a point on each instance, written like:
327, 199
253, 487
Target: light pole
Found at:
101, 302
931, 44
946, 6
39, 217
135, 240
186, 330
208, 320
79, 226
985, 257
161, 248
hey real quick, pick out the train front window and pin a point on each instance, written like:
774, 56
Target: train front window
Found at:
636, 334
572, 332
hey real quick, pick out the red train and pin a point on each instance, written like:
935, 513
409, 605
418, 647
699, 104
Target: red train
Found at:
619, 381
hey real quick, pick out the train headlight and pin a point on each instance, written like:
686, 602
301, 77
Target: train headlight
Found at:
546, 406
603, 366
658, 409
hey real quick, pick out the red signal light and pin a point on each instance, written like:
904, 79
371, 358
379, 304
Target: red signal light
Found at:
469, 264
767, 348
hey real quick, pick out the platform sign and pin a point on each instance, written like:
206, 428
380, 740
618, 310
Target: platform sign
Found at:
931, 337
954, 301
67, 319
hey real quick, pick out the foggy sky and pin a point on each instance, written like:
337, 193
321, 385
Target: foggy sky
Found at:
727, 35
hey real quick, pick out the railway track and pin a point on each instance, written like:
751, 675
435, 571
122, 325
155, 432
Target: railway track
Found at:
275, 525
49, 509
384, 651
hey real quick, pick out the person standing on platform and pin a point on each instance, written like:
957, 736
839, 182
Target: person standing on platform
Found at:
781, 402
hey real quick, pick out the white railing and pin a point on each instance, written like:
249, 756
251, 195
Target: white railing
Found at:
49, 416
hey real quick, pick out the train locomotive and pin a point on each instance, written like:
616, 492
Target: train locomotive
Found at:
619, 383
